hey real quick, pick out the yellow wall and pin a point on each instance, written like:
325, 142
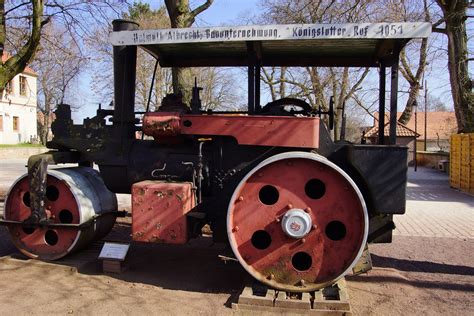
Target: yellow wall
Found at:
462, 162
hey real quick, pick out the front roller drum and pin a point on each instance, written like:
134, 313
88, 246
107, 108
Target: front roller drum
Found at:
297, 222
73, 196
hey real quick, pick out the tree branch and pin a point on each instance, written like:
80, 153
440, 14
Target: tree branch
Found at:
17, 63
16, 7
438, 23
438, 30
201, 8
357, 84
406, 67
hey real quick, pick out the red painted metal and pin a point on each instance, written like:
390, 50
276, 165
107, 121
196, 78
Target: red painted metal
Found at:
159, 211
161, 124
329, 258
284, 131
34, 243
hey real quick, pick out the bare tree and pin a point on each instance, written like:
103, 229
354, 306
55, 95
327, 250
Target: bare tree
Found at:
101, 54
149, 19
58, 63
27, 19
454, 20
219, 92
409, 11
315, 84
181, 15
17, 63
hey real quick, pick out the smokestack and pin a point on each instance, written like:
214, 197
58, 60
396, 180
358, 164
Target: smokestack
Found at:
125, 59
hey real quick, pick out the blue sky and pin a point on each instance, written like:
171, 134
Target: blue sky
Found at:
221, 11
230, 12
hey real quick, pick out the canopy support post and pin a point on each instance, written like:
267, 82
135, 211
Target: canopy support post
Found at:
257, 85
381, 103
394, 100
251, 78
254, 69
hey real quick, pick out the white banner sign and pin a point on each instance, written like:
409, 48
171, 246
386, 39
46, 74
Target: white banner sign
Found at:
272, 32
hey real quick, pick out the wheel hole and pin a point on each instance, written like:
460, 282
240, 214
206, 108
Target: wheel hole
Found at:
315, 189
268, 195
51, 237
52, 193
336, 230
261, 239
26, 199
28, 230
301, 261
187, 123
65, 217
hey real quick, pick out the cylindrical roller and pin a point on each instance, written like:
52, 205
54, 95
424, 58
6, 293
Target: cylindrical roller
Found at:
297, 222
73, 196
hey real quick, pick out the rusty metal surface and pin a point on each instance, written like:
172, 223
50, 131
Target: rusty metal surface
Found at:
159, 211
247, 130
161, 124
275, 262
37, 177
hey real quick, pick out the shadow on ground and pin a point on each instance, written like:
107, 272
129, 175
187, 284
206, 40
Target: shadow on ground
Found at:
420, 266
422, 284
192, 267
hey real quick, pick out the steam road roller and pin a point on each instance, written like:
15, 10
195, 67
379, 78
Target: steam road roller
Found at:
296, 208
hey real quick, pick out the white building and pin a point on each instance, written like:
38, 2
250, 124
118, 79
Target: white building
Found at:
18, 108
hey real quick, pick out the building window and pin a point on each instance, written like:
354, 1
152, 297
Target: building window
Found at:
1, 123
23, 85
9, 87
16, 123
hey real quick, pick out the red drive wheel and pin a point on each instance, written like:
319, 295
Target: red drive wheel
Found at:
73, 196
297, 222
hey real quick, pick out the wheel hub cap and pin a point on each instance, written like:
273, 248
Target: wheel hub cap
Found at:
296, 223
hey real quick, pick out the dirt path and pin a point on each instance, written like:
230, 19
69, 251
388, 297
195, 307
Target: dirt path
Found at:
412, 276
417, 276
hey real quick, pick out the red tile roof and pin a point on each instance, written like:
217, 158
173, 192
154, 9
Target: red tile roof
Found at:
402, 131
441, 124
27, 69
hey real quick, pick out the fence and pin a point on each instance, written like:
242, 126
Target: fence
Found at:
462, 162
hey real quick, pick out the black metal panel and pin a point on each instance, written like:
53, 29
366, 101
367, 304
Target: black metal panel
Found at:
380, 172
384, 169
380, 229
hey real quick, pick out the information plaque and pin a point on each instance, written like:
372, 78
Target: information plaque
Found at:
114, 251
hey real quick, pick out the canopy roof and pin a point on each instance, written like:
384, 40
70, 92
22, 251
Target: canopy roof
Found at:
357, 45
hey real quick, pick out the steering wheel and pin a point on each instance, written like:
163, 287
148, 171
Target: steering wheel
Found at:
287, 107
